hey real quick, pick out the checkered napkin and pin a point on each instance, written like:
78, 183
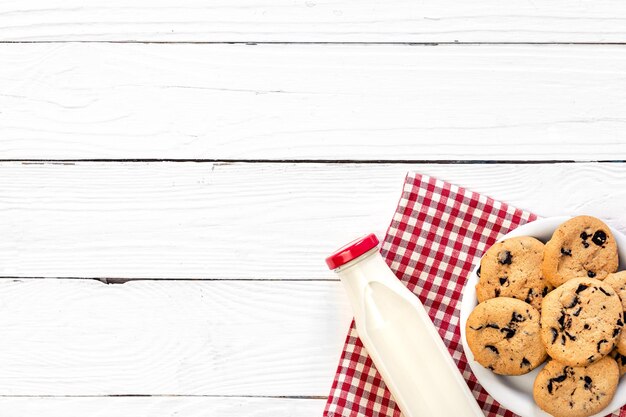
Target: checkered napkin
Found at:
438, 233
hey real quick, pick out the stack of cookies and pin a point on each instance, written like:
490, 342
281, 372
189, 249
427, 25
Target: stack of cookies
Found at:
562, 301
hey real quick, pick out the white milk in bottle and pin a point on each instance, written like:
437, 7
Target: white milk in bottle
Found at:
400, 337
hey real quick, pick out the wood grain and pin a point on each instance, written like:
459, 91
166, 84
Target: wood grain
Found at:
320, 102
160, 407
82, 337
186, 220
242, 220
314, 21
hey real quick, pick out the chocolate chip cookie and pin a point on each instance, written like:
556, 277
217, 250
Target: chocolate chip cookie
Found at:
621, 361
581, 247
566, 391
580, 321
618, 282
504, 335
512, 268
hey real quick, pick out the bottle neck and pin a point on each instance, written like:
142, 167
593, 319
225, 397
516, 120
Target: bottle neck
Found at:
359, 274
366, 257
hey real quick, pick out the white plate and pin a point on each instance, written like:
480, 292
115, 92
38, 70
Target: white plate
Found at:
516, 392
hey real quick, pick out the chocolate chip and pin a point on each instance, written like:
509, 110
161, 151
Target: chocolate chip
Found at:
525, 362
509, 333
588, 382
561, 321
571, 337
478, 272
590, 359
600, 343
584, 236
505, 257
587, 327
566, 252
581, 288
616, 331
529, 296
575, 301
559, 378
620, 322
490, 325
571, 404
604, 291
599, 238
591, 274
497, 291
577, 312
563, 340
516, 317
503, 280
585, 244
555, 334
544, 292
493, 349
490, 367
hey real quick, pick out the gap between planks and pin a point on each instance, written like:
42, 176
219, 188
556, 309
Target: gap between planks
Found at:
114, 281
253, 43
317, 161
286, 397
160, 406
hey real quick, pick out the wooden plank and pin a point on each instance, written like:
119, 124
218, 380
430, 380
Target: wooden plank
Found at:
160, 407
322, 102
314, 21
82, 337
186, 220
250, 221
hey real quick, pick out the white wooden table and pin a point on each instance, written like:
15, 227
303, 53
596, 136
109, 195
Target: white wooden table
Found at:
174, 172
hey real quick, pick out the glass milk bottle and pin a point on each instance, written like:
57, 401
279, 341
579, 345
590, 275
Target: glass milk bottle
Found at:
400, 337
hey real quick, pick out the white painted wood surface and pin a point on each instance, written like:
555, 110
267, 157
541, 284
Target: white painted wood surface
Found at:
346, 102
314, 21
159, 407
229, 310
242, 220
83, 337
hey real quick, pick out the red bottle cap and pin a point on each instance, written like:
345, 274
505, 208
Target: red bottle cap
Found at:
352, 251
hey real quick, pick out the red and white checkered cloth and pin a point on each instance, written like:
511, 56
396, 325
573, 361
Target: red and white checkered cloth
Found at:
437, 234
